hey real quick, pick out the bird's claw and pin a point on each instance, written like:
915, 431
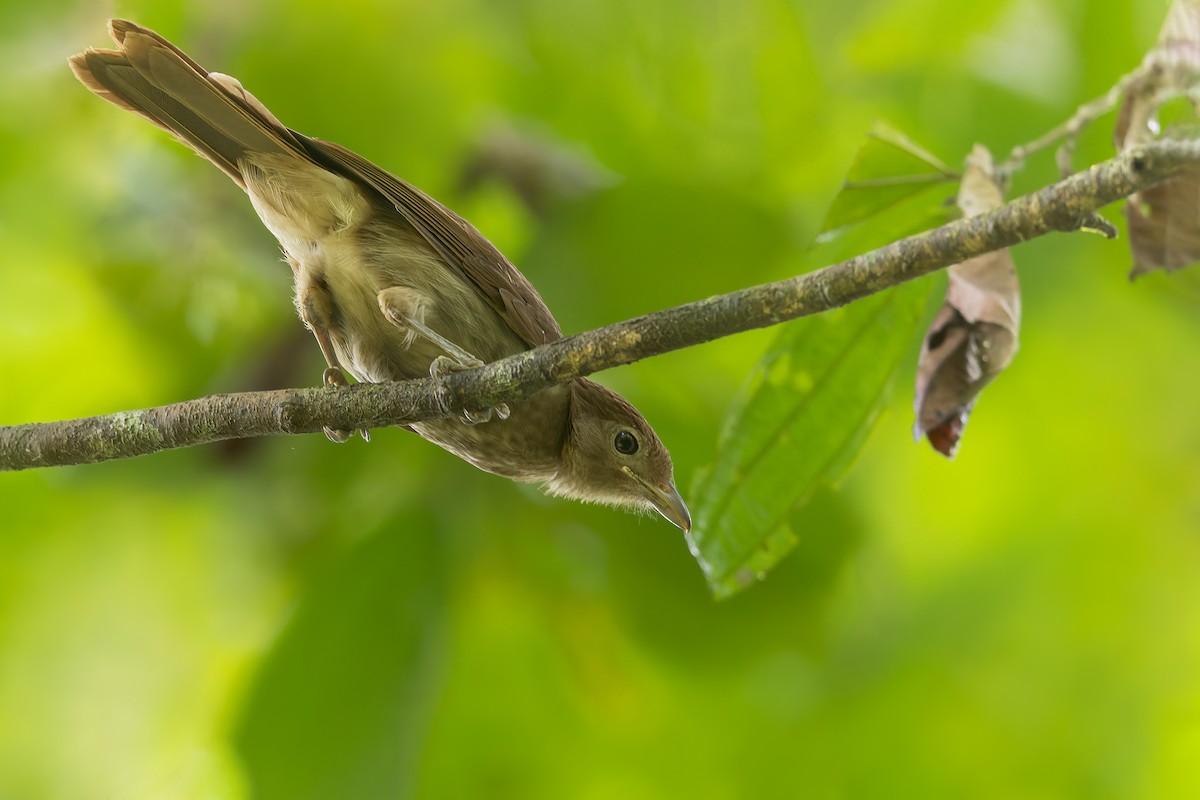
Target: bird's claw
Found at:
500, 410
334, 378
443, 366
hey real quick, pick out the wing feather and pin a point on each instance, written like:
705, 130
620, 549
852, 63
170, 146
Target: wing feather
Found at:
455, 240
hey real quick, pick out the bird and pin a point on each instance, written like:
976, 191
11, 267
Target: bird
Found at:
394, 285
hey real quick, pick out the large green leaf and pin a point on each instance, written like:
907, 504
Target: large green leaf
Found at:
813, 398
806, 411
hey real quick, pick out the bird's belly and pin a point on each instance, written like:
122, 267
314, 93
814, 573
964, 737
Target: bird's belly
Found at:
368, 344
353, 269
525, 447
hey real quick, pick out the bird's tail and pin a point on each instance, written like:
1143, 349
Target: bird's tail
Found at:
208, 111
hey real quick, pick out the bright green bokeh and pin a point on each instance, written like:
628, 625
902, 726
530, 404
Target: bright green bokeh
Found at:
294, 618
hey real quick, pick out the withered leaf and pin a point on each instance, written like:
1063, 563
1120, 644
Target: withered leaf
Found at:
1164, 221
1164, 224
974, 335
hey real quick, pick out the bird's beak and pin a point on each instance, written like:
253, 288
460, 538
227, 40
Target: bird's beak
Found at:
665, 497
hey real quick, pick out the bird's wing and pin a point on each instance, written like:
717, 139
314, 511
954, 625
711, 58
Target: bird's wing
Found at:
455, 240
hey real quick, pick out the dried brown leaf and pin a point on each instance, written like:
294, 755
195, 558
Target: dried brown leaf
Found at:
1164, 224
1164, 221
974, 335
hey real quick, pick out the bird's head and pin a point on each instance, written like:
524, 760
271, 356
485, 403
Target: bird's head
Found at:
611, 455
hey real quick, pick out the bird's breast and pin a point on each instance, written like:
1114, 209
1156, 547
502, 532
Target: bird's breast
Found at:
526, 447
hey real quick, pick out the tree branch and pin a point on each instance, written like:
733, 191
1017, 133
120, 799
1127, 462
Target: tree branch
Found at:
1064, 206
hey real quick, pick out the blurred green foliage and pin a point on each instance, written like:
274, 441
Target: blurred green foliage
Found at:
290, 618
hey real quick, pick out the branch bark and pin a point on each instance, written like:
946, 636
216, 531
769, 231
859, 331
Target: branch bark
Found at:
1065, 206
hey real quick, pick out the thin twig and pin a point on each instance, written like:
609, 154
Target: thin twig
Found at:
1069, 130
1064, 206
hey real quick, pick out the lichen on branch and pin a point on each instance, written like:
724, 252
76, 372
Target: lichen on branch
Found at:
1064, 206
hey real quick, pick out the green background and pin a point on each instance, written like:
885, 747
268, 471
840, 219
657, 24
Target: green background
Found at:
294, 619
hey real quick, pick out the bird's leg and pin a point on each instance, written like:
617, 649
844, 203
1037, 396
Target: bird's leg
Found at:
316, 309
405, 307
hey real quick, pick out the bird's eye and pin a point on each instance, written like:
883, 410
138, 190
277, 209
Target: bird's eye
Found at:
625, 443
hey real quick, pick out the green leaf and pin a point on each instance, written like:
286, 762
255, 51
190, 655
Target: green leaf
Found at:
888, 170
813, 398
340, 709
809, 406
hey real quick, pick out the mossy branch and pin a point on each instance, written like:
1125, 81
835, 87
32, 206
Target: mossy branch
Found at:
1064, 206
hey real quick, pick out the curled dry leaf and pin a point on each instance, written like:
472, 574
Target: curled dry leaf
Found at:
974, 335
1164, 221
1164, 224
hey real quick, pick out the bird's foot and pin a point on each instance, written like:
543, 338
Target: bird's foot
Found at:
405, 308
334, 378
443, 366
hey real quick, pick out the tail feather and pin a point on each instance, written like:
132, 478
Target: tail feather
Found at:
209, 112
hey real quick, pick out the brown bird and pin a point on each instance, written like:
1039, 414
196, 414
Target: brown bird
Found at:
393, 284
